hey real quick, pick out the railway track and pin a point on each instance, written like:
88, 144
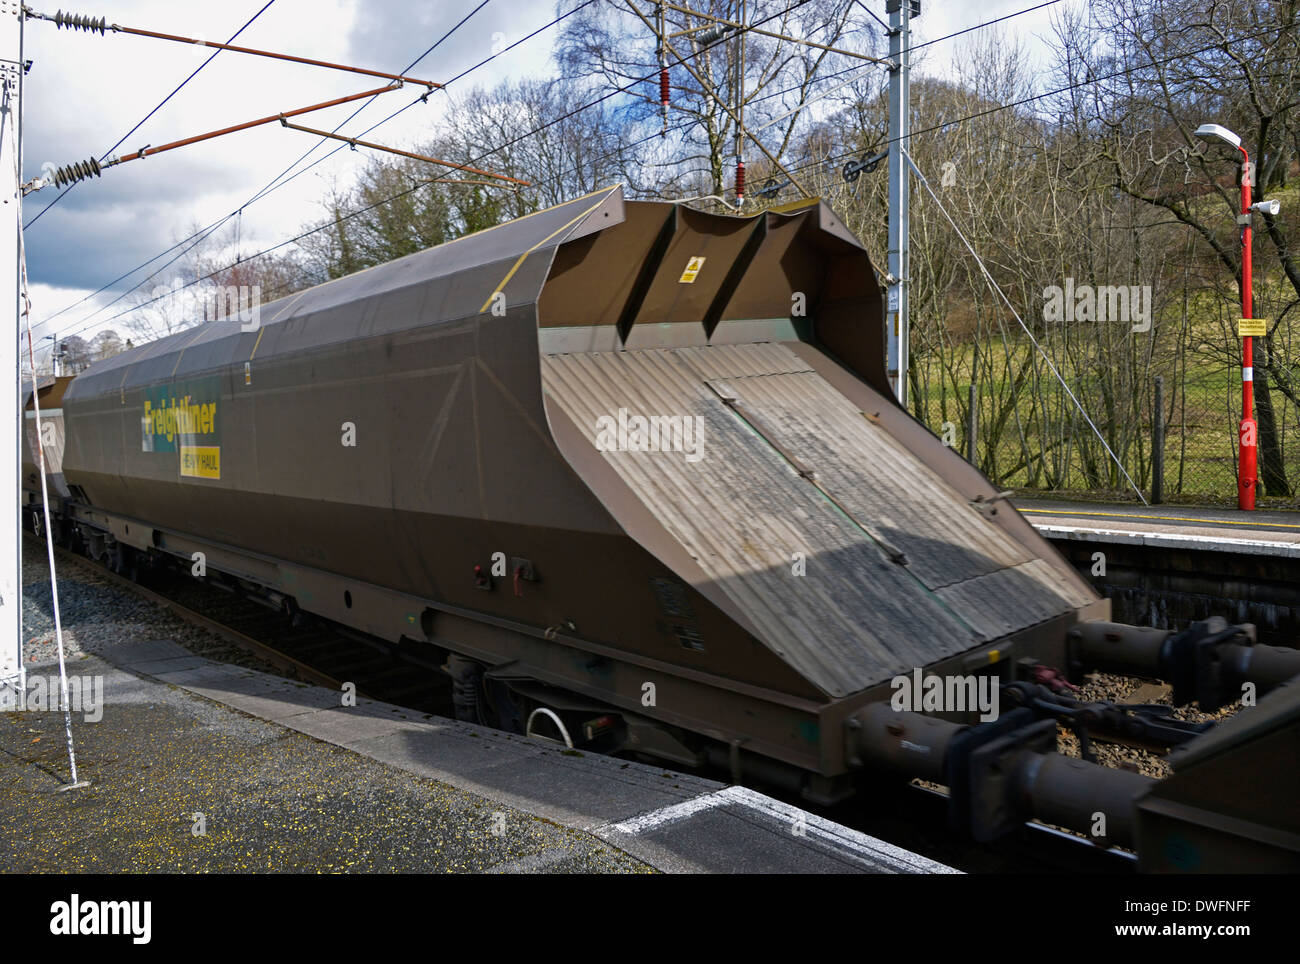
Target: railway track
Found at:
312, 651
912, 816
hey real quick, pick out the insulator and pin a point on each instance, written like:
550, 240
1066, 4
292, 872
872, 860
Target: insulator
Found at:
78, 22
740, 182
706, 37
76, 172
663, 86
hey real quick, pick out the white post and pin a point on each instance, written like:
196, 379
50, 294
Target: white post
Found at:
11, 424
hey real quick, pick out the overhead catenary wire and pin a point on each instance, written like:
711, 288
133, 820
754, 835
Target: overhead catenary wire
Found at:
275, 183
357, 142
93, 168
74, 22
85, 322
157, 107
1015, 314
997, 108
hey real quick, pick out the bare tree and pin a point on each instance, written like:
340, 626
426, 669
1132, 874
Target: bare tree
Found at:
106, 344
1186, 62
719, 75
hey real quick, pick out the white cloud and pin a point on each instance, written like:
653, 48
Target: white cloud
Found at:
85, 91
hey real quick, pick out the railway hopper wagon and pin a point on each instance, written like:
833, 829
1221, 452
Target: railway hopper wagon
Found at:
634, 474
49, 397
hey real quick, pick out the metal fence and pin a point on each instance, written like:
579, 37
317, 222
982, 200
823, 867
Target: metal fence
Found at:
1030, 437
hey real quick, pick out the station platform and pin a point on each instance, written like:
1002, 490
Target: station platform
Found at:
1198, 528
196, 765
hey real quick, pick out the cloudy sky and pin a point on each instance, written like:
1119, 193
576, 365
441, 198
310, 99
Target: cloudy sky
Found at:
84, 92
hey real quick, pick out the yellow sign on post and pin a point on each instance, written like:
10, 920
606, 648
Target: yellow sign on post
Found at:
1252, 327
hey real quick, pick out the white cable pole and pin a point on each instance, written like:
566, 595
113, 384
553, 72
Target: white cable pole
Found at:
49, 546
1034, 341
12, 110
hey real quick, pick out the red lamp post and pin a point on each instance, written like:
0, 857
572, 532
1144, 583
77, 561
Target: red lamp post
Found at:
1248, 430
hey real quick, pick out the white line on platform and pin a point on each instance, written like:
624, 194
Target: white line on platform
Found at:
848, 842
1176, 540
672, 813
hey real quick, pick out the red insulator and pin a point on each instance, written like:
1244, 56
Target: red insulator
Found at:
740, 182
663, 86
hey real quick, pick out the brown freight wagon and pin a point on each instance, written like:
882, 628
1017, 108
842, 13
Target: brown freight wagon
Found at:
626, 461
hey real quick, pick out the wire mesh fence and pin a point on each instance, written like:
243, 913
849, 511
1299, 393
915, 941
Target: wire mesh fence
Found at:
1029, 435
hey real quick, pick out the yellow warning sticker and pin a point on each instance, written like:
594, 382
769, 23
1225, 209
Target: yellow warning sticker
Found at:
1252, 327
692, 269
201, 461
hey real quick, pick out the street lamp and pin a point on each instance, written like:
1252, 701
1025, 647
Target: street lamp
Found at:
1247, 464
55, 354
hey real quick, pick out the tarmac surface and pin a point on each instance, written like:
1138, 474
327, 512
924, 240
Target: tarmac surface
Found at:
178, 783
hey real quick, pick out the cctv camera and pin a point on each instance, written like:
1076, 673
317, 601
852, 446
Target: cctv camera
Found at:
1269, 207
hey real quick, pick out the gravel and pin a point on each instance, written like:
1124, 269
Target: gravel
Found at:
97, 615
1116, 689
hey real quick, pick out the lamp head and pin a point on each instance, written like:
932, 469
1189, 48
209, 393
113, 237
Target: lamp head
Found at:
1218, 132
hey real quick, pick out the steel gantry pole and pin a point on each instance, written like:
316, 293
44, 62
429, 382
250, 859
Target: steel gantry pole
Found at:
11, 78
900, 14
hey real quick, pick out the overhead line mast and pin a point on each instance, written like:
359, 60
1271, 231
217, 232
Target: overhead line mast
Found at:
899, 261
11, 80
